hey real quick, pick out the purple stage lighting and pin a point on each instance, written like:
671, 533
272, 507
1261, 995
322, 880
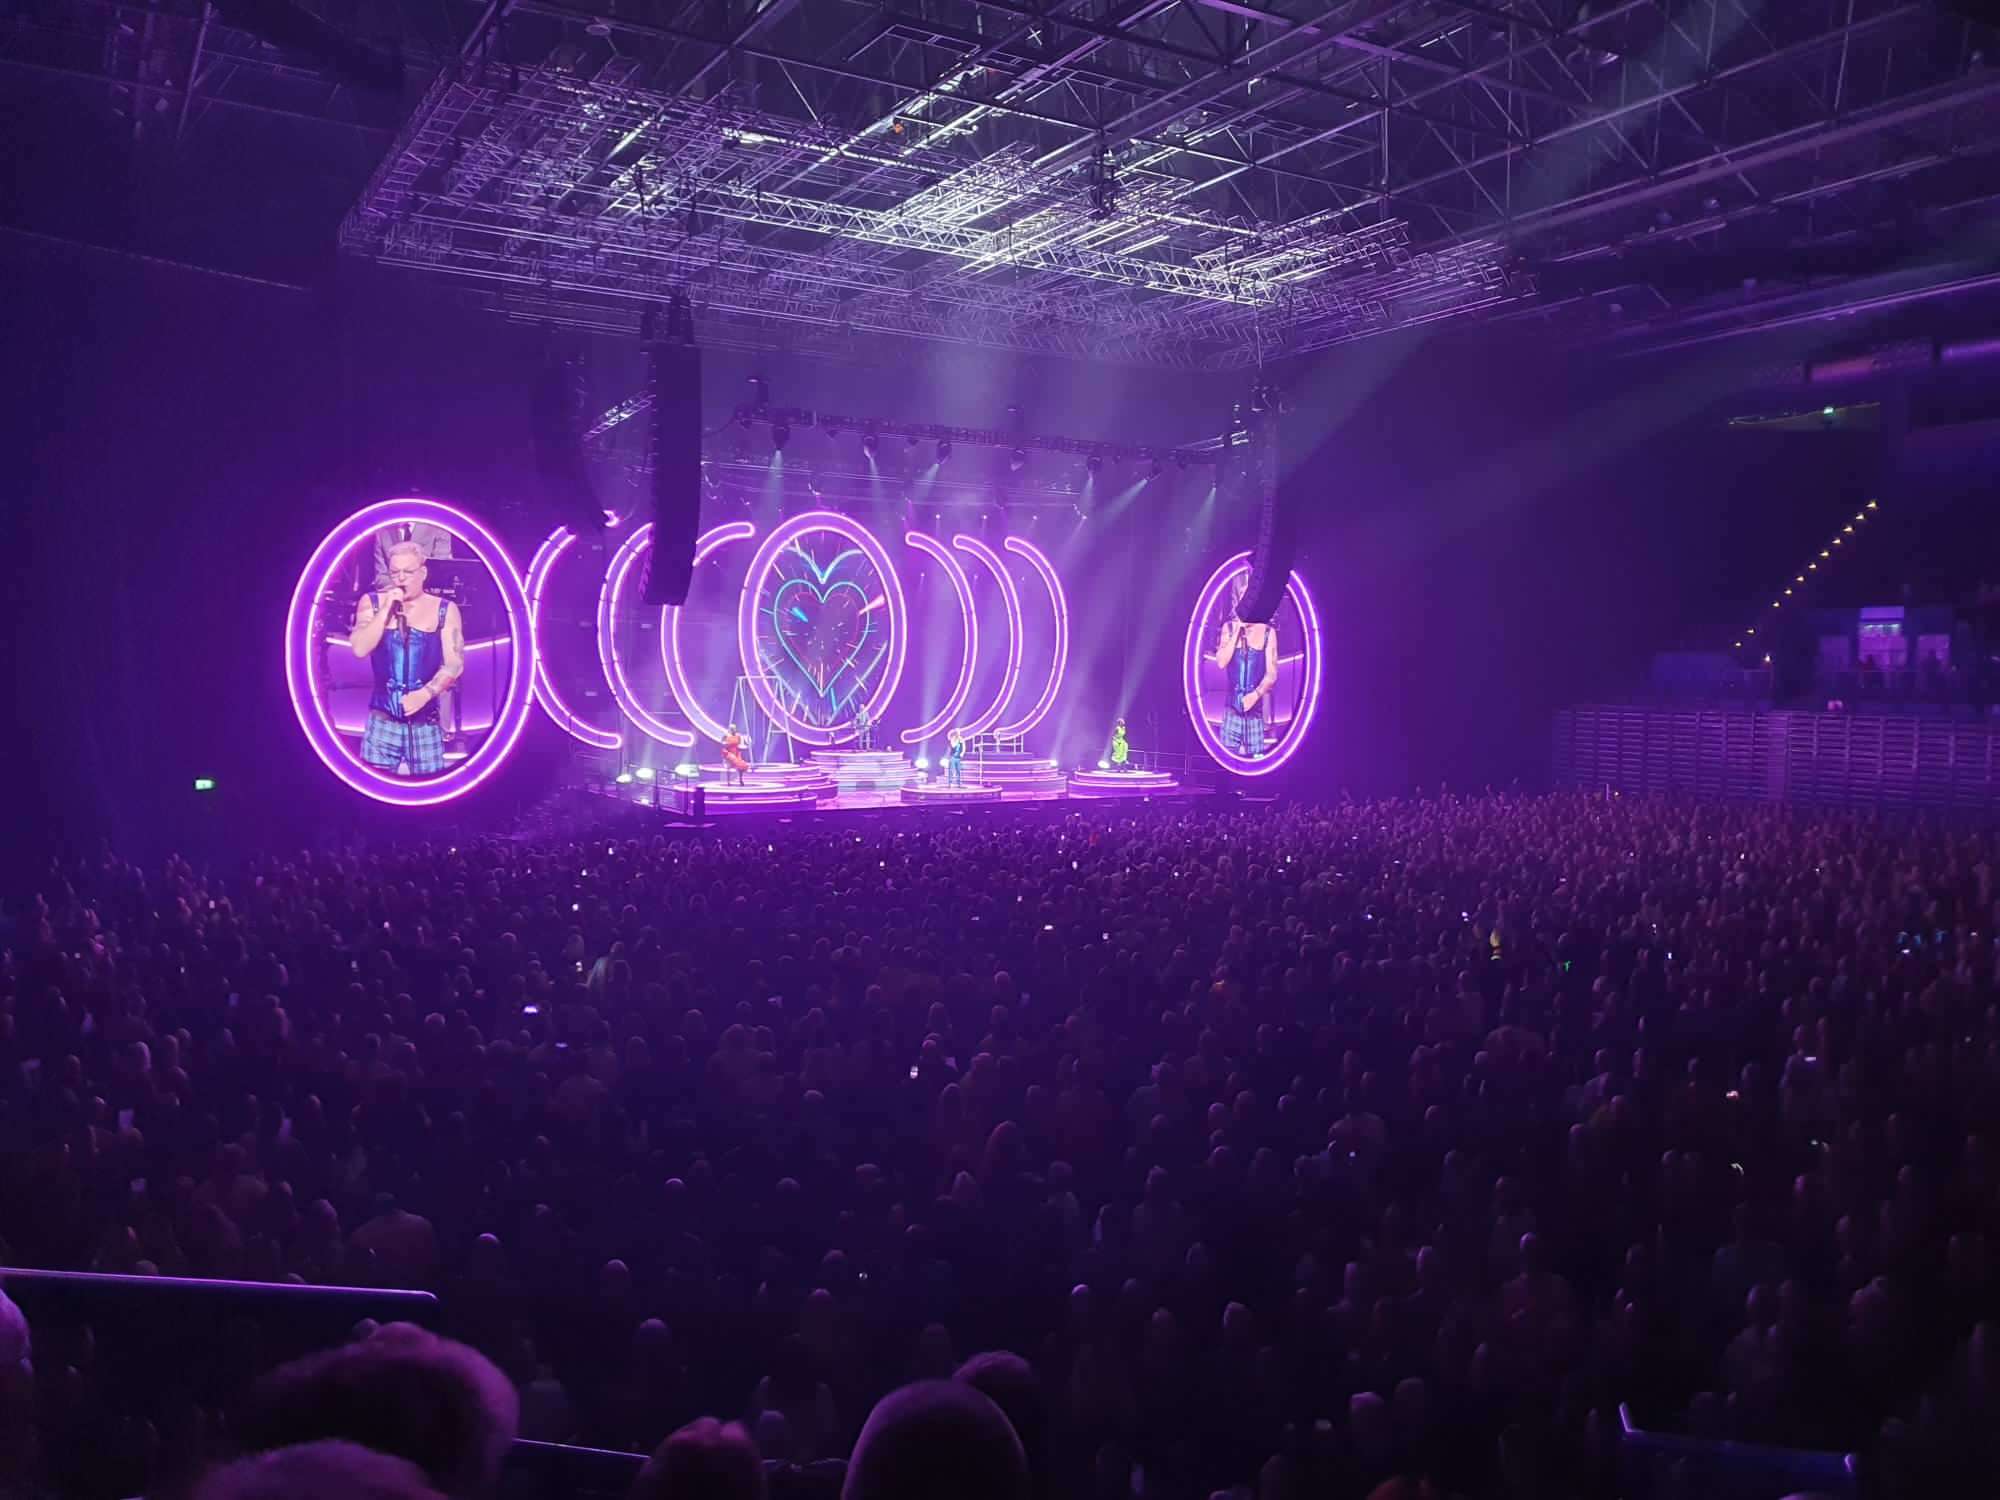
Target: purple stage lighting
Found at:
1039, 561
670, 631
545, 689
1010, 597
302, 666
622, 563
932, 548
1194, 658
792, 534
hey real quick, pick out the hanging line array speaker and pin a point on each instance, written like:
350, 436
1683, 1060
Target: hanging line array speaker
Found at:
1276, 550
676, 374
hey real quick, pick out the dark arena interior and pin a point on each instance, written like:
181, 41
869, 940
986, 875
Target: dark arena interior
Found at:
1001, 750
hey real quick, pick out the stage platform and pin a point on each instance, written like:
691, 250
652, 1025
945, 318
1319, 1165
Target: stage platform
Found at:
937, 794
840, 784
1133, 783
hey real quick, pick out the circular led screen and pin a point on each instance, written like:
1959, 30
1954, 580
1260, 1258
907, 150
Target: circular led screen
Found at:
360, 672
821, 626
1251, 690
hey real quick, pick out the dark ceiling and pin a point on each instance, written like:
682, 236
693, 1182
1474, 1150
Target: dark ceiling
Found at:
1196, 184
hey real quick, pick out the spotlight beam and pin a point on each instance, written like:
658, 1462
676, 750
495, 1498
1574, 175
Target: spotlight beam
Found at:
1010, 597
969, 658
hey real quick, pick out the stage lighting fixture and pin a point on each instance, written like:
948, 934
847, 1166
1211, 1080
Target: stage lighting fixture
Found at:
943, 449
780, 435
624, 778
688, 769
761, 389
1017, 460
1094, 463
923, 762
204, 783
645, 773
869, 443
1104, 765
1155, 469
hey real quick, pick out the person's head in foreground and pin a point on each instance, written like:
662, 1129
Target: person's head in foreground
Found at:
403, 1392
705, 1460
936, 1438
1010, 1383
317, 1471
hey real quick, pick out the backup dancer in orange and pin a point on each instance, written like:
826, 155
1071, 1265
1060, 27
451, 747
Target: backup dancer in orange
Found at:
733, 758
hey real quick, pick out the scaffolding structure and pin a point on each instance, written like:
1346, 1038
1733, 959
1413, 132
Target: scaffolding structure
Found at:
1195, 184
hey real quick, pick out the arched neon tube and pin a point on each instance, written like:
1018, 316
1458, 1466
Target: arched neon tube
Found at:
302, 666
746, 621
1193, 656
551, 701
1039, 561
622, 563
932, 548
1010, 597
670, 631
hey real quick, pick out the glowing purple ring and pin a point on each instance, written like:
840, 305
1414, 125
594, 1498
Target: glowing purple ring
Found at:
1010, 597
1192, 658
670, 630
622, 562
1038, 560
302, 669
565, 718
962, 586
746, 621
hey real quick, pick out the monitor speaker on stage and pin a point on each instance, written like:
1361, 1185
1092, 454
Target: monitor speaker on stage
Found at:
676, 375
1276, 551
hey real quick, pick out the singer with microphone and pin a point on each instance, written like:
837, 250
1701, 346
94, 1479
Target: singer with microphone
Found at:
416, 643
1247, 652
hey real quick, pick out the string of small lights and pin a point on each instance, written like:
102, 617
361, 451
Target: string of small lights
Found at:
1796, 589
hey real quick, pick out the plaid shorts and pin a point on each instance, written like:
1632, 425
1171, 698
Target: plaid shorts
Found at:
388, 743
1243, 734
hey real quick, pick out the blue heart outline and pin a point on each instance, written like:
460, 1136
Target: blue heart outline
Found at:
830, 692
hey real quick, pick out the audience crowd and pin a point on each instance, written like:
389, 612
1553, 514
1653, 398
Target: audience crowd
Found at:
1298, 1151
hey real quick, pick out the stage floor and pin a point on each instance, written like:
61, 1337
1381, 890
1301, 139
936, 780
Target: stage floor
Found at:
836, 784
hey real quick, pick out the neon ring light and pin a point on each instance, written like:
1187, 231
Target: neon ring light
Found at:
565, 717
615, 578
896, 627
1039, 561
1194, 661
1010, 674
705, 546
932, 548
303, 669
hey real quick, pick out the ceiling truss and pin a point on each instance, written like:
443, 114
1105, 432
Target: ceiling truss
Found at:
1196, 184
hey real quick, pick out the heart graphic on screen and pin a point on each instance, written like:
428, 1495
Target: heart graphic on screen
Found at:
820, 628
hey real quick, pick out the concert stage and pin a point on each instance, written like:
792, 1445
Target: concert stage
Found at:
820, 643
848, 781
